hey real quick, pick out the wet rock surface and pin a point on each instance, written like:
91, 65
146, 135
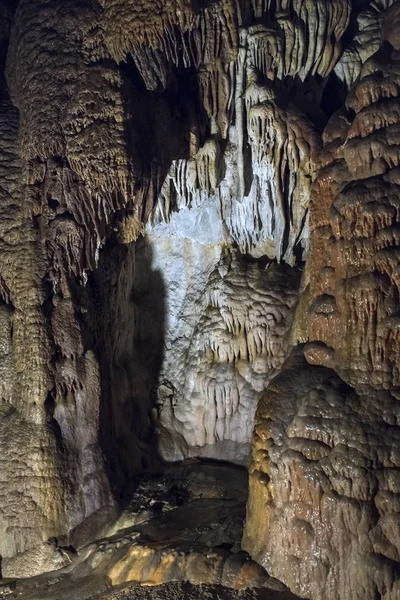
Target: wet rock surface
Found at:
202, 592
318, 477
182, 525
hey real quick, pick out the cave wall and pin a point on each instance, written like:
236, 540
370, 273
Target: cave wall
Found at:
220, 356
242, 197
198, 216
324, 477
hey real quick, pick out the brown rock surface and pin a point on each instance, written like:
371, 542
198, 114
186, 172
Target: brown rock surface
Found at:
164, 182
181, 525
316, 517
322, 484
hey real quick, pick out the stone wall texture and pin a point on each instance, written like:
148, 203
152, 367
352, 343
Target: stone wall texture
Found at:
199, 257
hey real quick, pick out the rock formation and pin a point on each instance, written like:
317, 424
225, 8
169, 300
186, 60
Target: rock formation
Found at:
324, 469
206, 406
198, 224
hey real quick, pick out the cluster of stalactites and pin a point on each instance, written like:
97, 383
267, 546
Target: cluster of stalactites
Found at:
131, 24
299, 38
242, 100
284, 147
302, 38
355, 216
72, 130
73, 114
170, 34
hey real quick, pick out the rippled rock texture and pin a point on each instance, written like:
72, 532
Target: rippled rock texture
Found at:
207, 404
325, 454
198, 216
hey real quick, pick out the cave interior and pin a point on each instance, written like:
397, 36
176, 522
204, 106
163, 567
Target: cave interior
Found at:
199, 299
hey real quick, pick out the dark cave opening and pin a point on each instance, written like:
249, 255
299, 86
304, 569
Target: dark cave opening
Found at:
172, 112
130, 351
333, 95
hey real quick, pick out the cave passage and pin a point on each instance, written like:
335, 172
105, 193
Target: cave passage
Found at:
199, 299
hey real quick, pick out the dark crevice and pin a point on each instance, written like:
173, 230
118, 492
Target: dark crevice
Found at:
286, 209
174, 114
333, 96
129, 353
52, 424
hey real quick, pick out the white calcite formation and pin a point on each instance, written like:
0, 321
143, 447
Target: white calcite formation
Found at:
212, 378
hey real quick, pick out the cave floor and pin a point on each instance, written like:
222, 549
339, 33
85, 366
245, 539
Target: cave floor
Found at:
186, 591
178, 537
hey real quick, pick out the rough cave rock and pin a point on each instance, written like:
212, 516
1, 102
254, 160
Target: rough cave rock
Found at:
199, 259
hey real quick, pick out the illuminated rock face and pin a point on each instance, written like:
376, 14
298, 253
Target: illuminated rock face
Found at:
180, 243
208, 395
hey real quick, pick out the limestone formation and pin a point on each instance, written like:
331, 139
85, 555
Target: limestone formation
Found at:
324, 452
199, 216
206, 402
174, 528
